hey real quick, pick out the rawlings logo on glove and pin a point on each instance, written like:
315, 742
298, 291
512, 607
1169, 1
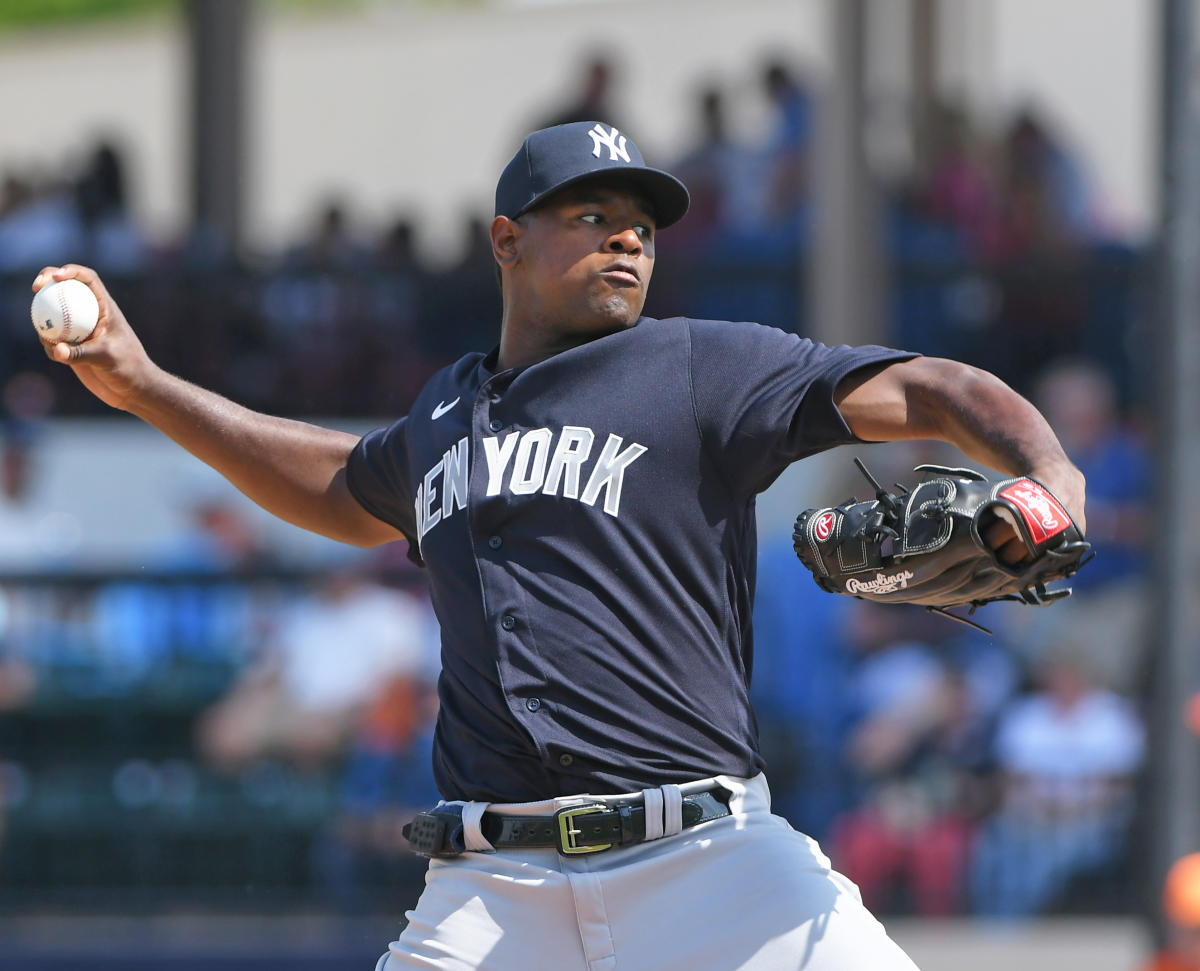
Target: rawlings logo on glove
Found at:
925, 546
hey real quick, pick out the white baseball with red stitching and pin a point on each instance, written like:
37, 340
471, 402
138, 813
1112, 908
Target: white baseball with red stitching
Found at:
64, 311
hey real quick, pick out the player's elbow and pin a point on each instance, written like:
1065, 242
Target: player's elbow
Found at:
924, 397
363, 531
940, 393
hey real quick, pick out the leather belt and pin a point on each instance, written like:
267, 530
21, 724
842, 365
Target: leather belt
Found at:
573, 830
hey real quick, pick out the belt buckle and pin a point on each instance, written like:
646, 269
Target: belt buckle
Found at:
567, 832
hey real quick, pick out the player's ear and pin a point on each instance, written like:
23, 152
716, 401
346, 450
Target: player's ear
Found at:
506, 236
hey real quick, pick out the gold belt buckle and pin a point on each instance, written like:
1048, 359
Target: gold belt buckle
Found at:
568, 834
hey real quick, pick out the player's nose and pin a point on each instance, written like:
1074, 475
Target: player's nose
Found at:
626, 241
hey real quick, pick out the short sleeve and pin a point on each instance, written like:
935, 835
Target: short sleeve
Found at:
764, 397
377, 476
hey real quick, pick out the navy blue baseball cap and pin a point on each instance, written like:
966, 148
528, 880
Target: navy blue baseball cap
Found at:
554, 158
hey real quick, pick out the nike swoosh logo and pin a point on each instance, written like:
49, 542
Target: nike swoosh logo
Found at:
441, 409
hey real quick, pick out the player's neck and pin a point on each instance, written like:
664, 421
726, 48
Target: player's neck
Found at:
519, 351
528, 343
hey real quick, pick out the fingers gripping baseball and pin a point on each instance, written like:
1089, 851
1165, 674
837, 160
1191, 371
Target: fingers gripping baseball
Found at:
111, 361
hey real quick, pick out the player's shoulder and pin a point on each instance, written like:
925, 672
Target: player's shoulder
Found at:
709, 330
703, 323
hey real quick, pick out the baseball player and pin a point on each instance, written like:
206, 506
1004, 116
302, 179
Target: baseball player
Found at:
582, 498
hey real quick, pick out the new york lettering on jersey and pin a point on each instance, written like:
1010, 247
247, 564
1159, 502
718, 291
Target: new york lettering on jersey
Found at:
540, 460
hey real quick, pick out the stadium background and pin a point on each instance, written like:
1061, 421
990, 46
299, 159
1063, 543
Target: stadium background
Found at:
188, 772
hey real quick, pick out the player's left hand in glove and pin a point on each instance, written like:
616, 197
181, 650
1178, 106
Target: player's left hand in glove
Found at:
930, 545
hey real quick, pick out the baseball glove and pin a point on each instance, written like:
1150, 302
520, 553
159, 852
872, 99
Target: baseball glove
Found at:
925, 546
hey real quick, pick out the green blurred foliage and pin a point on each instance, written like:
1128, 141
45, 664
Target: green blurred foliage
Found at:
41, 13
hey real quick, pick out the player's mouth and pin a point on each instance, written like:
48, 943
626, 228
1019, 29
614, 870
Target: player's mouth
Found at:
623, 274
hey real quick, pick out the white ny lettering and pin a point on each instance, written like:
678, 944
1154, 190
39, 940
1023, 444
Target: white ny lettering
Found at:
613, 140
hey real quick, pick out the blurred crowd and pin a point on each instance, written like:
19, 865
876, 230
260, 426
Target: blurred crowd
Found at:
944, 770
998, 253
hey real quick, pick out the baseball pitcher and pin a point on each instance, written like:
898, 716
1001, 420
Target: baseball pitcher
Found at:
582, 498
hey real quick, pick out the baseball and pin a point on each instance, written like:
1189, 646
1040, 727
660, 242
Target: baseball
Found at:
64, 311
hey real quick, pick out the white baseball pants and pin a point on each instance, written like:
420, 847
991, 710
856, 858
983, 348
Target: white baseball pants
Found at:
743, 892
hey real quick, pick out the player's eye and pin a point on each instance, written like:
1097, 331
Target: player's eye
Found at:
644, 232
594, 218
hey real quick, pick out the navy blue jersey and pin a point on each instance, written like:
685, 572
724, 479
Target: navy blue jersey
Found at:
587, 523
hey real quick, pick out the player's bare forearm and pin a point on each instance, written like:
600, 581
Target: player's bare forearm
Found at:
934, 398
292, 469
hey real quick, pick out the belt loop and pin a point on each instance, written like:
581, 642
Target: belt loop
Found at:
672, 810
652, 799
473, 838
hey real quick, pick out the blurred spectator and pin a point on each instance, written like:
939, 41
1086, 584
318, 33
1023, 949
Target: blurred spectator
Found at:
28, 398
1079, 399
909, 841
41, 224
18, 681
1067, 755
177, 617
753, 211
1108, 608
724, 177
82, 217
217, 536
396, 312
1015, 211
920, 749
33, 536
791, 139
593, 100
395, 291
1181, 907
1032, 146
333, 244
462, 303
1044, 202
112, 236
957, 188
314, 304
326, 663
387, 779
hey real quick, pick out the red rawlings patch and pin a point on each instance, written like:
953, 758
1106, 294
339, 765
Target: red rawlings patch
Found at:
1043, 516
823, 528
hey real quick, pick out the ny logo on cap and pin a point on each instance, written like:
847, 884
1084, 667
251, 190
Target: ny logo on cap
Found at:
613, 140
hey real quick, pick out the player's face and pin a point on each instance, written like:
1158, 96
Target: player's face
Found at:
586, 259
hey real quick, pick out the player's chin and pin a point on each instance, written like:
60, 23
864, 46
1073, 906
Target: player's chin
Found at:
620, 308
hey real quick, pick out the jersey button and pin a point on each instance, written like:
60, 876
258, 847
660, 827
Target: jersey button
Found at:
495, 424
508, 621
533, 704
495, 542
566, 759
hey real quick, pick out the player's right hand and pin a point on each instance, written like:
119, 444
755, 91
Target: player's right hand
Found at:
111, 362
